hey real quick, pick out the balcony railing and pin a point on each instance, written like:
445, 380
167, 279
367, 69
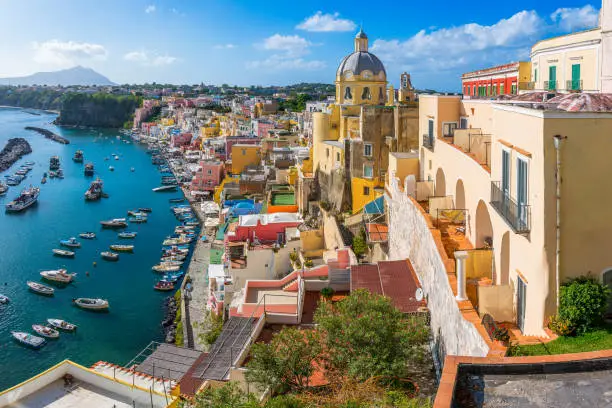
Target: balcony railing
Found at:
573, 85
550, 85
518, 216
428, 141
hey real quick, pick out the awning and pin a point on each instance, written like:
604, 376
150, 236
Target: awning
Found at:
375, 207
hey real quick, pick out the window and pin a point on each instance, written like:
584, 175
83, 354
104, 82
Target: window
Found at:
448, 128
209, 172
338, 156
327, 152
381, 95
521, 188
366, 191
368, 171
535, 75
347, 93
501, 89
575, 84
430, 129
366, 95
505, 172
367, 149
463, 123
552, 78
513, 89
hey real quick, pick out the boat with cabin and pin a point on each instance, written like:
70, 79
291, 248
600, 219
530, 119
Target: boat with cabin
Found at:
122, 248
27, 198
114, 223
89, 169
70, 242
94, 192
109, 256
164, 286
58, 275
78, 156
127, 235
91, 304
145, 210
166, 268
62, 324
45, 331
28, 339
88, 235
63, 253
139, 219
40, 288
54, 163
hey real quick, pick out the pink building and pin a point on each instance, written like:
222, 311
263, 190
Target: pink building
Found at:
181, 139
208, 176
263, 227
262, 127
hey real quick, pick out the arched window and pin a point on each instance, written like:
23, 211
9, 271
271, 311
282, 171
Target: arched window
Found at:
366, 95
347, 93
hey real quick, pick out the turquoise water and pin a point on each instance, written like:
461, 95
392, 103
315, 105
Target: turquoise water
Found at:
26, 241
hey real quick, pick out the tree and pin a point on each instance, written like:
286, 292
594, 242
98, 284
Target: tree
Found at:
227, 396
287, 362
366, 336
360, 245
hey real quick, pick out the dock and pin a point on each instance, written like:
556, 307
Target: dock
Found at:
49, 134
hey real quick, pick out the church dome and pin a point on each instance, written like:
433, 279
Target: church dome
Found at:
360, 61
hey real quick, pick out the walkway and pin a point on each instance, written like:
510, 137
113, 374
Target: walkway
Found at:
198, 271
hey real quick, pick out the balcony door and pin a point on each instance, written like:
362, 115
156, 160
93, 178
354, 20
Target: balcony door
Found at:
575, 77
505, 184
521, 189
521, 295
552, 78
430, 131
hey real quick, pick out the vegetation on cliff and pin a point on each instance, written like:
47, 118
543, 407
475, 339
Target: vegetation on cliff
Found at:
97, 110
48, 99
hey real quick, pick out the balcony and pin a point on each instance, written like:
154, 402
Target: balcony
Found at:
573, 85
518, 216
475, 144
428, 141
550, 85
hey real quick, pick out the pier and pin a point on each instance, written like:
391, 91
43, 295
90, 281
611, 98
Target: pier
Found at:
49, 134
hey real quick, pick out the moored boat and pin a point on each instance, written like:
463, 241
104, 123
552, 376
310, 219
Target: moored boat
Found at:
166, 268
62, 324
70, 242
89, 169
3, 188
59, 275
138, 219
164, 286
145, 210
87, 235
28, 340
111, 168
27, 198
109, 256
91, 304
63, 252
40, 288
114, 223
122, 248
54, 163
94, 192
4, 299
127, 235
164, 188
45, 331
78, 156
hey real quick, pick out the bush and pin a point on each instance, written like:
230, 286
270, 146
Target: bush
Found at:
359, 244
501, 334
560, 326
583, 302
215, 331
327, 292
308, 263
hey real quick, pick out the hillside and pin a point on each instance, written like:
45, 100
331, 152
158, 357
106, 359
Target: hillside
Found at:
66, 77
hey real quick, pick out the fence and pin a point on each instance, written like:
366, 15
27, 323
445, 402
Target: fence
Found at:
474, 143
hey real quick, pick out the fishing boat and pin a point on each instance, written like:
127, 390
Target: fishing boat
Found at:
109, 256
63, 252
60, 173
62, 324
40, 288
59, 275
174, 258
145, 210
27, 198
43, 180
89, 169
162, 189
91, 304
127, 235
122, 248
88, 235
3, 188
94, 192
138, 219
166, 268
54, 163
134, 213
28, 340
78, 156
45, 331
114, 223
169, 262
70, 242
4, 299
30, 163
164, 286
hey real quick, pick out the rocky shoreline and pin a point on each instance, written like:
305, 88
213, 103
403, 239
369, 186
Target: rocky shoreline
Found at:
49, 134
13, 151
169, 324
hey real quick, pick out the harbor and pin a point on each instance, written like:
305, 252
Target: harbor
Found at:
62, 212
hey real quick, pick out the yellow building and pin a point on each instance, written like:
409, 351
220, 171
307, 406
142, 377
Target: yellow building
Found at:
245, 155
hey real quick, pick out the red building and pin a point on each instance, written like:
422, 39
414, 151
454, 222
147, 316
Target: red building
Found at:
505, 79
181, 139
263, 227
208, 176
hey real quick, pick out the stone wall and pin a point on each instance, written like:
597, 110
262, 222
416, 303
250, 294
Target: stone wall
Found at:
411, 236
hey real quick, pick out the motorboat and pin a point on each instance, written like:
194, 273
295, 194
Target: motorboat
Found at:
54, 163
94, 192
28, 339
138, 219
109, 256
40, 288
78, 156
174, 258
164, 286
91, 304
122, 248
89, 169
70, 242
164, 188
145, 210
27, 198
63, 252
4, 299
59, 275
3, 188
45, 331
62, 324
133, 213
165, 261
114, 223
88, 235
127, 235
166, 268
60, 173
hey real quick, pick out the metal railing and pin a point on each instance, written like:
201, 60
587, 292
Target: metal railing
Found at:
428, 141
550, 85
573, 85
518, 216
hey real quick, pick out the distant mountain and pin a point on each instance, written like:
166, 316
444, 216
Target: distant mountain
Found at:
65, 77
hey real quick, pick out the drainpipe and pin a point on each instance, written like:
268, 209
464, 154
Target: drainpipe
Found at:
557, 139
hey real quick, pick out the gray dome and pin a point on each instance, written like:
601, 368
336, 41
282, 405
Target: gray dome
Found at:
360, 61
361, 34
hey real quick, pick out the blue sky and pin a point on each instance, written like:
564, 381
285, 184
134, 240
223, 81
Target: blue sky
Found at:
275, 42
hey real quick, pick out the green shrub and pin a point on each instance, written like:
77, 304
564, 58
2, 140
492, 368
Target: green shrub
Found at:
560, 326
327, 292
359, 244
501, 334
308, 263
583, 302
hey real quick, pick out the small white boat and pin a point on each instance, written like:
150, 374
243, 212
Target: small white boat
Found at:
28, 340
164, 188
91, 304
4, 299
122, 248
70, 242
40, 288
59, 275
111, 168
166, 268
62, 324
45, 331
87, 235
109, 256
127, 235
63, 252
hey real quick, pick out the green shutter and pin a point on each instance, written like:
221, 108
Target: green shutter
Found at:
575, 77
552, 78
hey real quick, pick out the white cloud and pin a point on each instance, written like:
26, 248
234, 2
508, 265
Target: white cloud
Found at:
290, 45
276, 62
150, 59
224, 46
289, 50
150, 9
67, 53
326, 22
573, 19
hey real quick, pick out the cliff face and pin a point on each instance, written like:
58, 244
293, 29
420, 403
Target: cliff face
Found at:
97, 110
14, 149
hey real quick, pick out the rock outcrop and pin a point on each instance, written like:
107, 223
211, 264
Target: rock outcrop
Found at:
13, 151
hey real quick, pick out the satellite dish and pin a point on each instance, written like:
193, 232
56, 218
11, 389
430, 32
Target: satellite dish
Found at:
418, 294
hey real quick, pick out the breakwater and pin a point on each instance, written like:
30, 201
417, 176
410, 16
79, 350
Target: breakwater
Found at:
49, 134
13, 151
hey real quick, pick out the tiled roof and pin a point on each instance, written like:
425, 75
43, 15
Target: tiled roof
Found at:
377, 232
365, 276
